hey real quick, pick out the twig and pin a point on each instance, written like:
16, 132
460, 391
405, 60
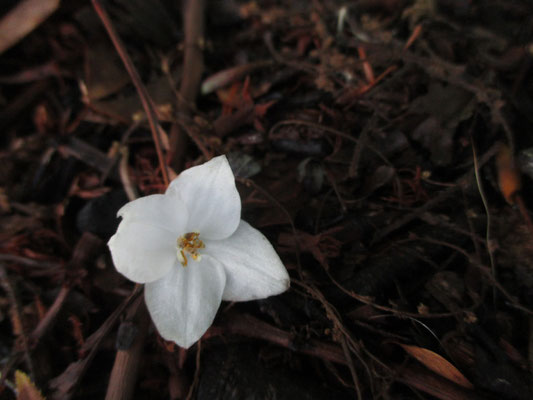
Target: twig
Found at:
50, 315
250, 326
193, 62
126, 367
193, 66
141, 89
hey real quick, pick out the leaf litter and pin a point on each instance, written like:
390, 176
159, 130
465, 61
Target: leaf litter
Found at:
383, 148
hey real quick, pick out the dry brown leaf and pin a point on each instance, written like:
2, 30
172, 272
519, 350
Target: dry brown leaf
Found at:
440, 388
508, 175
26, 390
437, 364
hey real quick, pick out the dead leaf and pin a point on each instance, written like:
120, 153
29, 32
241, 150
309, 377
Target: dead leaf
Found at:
508, 175
25, 387
437, 364
438, 387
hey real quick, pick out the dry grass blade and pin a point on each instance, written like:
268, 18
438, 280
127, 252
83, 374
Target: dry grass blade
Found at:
141, 89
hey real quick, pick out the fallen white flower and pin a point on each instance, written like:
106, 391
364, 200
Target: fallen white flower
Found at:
192, 250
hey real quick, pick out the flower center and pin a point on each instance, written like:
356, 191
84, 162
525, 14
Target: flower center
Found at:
189, 243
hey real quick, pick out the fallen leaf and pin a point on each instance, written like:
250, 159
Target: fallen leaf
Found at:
26, 389
438, 387
437, 364
508, 175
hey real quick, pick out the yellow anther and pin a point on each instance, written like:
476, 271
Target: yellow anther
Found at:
189, 243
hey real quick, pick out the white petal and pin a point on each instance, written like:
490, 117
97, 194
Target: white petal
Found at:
253, 268
166, 211
184, 303
211, 197
142, 253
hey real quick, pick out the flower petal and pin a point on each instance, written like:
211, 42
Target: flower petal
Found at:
142, 253
167, 212
211, 197
253, 268
183, 304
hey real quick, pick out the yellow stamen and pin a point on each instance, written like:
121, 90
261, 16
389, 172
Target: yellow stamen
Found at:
189, 243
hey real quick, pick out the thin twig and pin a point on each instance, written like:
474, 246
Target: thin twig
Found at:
193, 61
141, 89
50, 316
247, 325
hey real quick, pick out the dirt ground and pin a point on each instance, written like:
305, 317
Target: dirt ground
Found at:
384, 147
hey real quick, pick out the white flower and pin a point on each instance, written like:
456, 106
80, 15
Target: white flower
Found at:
192, 250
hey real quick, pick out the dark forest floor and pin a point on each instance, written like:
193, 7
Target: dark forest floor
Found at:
384, 147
